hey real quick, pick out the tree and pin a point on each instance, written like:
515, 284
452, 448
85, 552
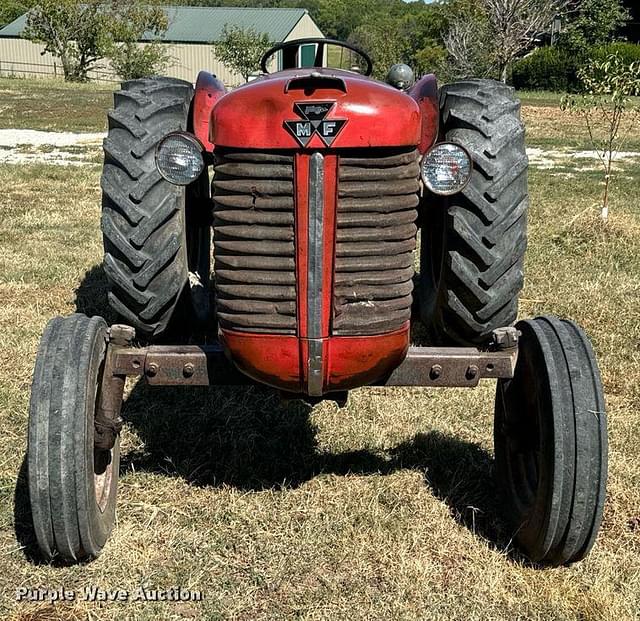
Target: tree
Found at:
384, 50
512, 27
468, 41
592, 22
82, 32
74, 32
423, 29
516, 24
608, 110
241, 49
129, 59
12, 9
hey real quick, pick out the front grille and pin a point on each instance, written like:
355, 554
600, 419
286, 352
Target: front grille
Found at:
376, 233
254, 241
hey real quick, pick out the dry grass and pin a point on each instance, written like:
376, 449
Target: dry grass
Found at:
54, 105
382, 510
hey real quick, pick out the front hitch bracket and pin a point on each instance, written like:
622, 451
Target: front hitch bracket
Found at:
208, 365
107, 421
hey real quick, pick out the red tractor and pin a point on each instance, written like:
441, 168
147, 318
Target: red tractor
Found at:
321, 180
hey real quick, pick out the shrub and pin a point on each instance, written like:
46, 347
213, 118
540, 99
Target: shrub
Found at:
547, 68
131, 61
556, 69
628, 53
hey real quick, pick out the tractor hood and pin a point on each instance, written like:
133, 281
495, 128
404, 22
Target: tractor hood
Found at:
315, 109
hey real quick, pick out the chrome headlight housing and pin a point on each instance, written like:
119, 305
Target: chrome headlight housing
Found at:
446, 169
179, 158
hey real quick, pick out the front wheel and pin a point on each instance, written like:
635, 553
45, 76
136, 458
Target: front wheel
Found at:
551, 442
72, 484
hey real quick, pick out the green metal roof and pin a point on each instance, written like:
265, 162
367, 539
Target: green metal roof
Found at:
191, 24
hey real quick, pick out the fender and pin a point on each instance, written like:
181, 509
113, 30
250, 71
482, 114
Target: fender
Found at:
208, 92
425, 93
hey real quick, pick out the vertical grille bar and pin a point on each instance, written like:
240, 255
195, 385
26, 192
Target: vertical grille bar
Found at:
315, 246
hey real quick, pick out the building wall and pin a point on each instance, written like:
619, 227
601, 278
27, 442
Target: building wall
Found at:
304, 29
190, 58
23, 58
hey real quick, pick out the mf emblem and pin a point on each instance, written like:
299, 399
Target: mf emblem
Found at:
314, 121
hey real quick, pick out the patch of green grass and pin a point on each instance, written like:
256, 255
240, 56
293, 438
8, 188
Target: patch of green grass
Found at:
540, 98
54, 105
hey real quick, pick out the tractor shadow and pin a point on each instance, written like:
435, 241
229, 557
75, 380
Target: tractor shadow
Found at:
22, 521
250, 439
91, 295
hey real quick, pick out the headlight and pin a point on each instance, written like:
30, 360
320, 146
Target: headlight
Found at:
179, 158
446, 169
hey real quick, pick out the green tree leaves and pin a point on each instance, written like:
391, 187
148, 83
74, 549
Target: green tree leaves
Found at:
609, 111
12, 9
241, 49
81, 33
595, 22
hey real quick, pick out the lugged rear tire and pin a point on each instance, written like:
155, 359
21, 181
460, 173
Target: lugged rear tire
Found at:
156, 235
473, 243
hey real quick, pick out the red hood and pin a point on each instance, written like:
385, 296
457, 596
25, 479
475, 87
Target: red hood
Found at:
262, 114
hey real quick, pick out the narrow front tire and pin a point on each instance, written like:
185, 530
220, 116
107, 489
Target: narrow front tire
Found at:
551, 443
72, 485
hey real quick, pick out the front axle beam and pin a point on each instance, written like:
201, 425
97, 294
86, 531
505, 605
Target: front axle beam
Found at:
207, 365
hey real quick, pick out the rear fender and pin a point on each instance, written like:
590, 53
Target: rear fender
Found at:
208, 91
425, 93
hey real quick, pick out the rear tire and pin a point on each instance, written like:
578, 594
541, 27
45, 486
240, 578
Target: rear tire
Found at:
551, 442
72, 485
156, 235
473, 243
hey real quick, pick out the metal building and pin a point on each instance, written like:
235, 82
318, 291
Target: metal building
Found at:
188, 38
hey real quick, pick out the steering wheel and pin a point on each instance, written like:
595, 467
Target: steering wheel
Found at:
321, 43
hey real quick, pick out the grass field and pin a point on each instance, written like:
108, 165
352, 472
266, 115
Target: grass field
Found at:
385, 509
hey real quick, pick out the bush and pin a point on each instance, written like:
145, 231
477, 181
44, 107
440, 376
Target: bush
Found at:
547, 68
629, 53
555, 69
131, 60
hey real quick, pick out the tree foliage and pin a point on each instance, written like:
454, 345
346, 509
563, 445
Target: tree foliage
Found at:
591, 23
383, 49
129, 59
12, 9
241, 49
83, 32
